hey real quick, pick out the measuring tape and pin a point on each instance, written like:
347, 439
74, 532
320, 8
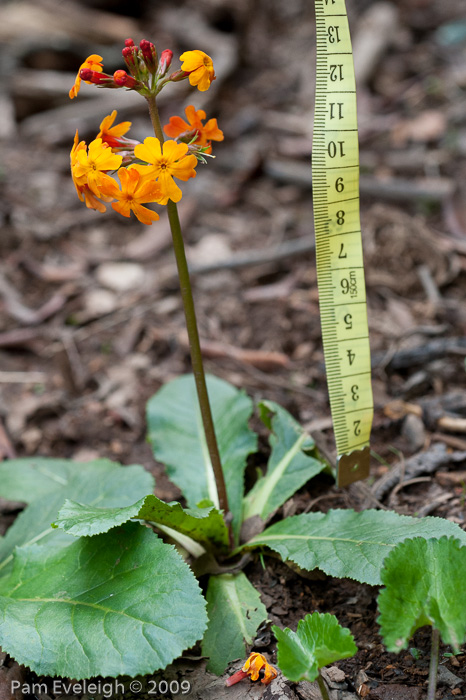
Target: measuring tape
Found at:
340, 265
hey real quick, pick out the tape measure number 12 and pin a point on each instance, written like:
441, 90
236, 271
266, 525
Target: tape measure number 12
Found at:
340, 266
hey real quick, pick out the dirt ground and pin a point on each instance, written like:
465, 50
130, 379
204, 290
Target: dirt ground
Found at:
91, 322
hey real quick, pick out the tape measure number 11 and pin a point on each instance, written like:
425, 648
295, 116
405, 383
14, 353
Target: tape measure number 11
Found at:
340, 266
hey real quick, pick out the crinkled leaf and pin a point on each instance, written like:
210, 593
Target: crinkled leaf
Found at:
177, 437
119, 603
346, 544
205, 525
319, 640
99, 483
425, 585
235, 612
290, 465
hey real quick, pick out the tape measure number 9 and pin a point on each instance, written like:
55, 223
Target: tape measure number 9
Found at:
340, 266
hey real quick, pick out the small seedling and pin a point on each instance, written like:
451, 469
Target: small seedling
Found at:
319, 640
424, 585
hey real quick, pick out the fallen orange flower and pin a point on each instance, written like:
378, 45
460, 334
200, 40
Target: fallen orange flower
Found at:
255, 664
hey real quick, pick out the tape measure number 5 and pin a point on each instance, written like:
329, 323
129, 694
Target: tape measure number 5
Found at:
340, 266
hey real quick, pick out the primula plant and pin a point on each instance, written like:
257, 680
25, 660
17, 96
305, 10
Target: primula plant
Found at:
110, 589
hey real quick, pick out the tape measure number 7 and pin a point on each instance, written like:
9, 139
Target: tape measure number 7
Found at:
340, 266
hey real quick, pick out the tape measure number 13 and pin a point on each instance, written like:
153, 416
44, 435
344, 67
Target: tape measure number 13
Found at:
340, 266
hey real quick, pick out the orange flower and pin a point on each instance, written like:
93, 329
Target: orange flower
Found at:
114, 135
255, 664
93, 163
194, 126
133, 194
93, 62
165, 164
82, 188
200, 68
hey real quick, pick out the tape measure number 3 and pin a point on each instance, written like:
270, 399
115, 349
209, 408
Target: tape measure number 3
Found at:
340, 266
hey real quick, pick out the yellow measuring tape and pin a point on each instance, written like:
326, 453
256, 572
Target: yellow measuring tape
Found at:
340, 266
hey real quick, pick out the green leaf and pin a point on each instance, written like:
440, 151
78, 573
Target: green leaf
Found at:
290, 465
98, 483
320, 640
177, 437
205, 525
235, 612
30, 478
119, 603
346, 544
425, 585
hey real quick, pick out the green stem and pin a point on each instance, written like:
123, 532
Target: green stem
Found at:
191, 326
433, 668
322, 687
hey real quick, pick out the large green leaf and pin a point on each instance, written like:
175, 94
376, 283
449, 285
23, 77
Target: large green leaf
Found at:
101, 483
319, 640
118, 603
425, 585
177, 437
30, 478
347, 544
290, 464
235, 612
205, 525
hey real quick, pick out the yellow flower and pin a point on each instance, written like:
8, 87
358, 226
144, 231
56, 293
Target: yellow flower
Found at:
93, 164
133, 194
93, 62
255, 664
204, 132
200, 68
165, 164
82, 188
112, 135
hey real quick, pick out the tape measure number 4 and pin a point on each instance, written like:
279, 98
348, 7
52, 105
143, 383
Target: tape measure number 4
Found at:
340, 266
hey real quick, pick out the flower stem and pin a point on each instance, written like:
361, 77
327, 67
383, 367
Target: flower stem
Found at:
191, 326
322, 687
433, 668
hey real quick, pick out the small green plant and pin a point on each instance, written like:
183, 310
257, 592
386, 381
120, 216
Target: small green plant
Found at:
424, 585
319, 640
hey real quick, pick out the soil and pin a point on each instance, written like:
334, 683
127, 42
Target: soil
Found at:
91, 322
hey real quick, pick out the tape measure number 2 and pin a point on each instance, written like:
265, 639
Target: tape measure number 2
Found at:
340, 266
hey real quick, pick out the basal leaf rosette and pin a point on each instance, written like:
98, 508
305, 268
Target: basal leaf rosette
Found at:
424, 585
319, 640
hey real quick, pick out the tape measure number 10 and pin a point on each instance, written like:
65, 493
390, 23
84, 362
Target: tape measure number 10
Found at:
340, 266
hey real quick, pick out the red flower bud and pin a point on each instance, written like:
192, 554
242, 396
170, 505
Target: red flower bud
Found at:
122, 79
165, 62
129, 42
92, 76
130, 56
149, 55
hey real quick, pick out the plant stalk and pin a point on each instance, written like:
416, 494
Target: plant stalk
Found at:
191, 326
433, 668
322, 687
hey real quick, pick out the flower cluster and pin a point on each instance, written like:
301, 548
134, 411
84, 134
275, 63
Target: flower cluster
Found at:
145, 171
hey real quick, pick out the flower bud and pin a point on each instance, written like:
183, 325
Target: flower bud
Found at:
164, 63
122, 79
129, 42
130, 56
149, 55
92, 76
